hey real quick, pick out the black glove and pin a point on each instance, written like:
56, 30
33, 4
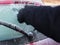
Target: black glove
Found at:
45, 19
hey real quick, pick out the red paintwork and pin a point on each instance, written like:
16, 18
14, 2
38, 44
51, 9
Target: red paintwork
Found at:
47, 41
19, 2
6, 2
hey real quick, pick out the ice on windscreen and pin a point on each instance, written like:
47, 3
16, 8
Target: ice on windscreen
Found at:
9, 15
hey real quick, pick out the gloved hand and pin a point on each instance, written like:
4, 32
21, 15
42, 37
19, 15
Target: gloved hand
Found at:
45, 19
